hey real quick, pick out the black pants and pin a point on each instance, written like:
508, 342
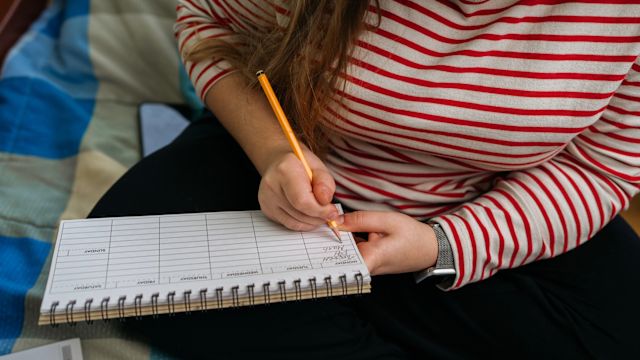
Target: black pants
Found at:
582, 304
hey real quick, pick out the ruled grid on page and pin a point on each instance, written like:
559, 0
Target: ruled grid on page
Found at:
127, 252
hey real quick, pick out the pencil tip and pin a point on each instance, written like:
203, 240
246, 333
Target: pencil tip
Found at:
259, 72
337, 234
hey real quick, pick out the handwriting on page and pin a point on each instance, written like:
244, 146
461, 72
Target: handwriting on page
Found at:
117, 253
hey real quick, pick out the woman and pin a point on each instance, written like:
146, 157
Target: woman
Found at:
490, 140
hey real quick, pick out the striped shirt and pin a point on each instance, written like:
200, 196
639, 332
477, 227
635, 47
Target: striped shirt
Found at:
513, 124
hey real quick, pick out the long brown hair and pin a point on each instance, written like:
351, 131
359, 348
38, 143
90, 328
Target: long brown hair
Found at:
303, 61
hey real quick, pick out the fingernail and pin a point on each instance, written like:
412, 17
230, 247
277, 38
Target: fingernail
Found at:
339, 219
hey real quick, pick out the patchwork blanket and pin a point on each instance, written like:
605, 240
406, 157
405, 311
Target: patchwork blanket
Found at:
69, 96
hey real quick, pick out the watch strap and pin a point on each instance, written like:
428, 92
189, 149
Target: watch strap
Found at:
445, 263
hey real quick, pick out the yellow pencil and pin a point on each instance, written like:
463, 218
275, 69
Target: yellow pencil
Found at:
288, 132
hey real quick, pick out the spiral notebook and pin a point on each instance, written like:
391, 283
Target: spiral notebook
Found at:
150, 265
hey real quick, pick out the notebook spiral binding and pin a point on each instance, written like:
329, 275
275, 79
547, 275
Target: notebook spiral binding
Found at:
282, 294
137, 307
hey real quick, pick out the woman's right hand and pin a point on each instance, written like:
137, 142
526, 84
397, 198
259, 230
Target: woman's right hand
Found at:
287, 196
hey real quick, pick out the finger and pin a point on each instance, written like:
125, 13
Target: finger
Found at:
281, 216
271, 199
301, 197
323, 185
294, 213
368, 221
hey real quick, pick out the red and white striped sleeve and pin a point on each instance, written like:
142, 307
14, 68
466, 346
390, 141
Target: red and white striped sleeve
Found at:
552, 208
219, 19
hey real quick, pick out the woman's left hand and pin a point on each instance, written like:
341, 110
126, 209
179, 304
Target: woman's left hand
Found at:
396, 243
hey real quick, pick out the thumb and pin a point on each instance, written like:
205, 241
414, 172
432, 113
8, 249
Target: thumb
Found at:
367, 221
323, 186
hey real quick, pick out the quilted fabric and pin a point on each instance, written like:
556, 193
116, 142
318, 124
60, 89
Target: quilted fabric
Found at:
69, 96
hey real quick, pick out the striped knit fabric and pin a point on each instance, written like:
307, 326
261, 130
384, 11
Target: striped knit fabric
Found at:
513, 124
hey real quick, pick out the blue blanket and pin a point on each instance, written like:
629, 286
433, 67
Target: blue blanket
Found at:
69, 95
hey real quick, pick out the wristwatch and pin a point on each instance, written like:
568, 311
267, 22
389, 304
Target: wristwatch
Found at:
445, 265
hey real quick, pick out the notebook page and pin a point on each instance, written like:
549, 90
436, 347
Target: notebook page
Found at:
134, 255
